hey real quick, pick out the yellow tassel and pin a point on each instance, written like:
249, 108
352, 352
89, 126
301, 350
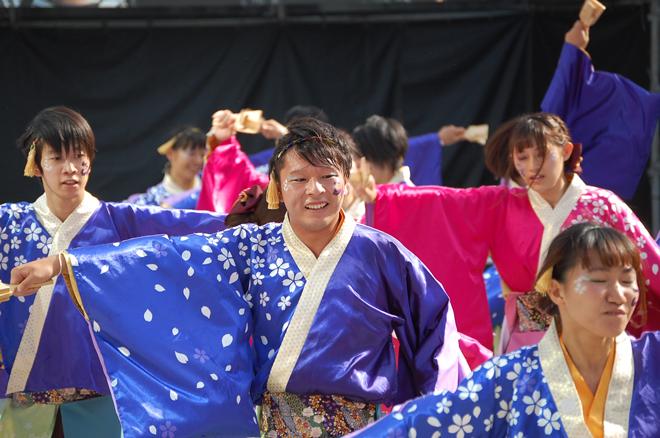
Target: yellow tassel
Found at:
167, 146
29, 166
272, 196
543, 284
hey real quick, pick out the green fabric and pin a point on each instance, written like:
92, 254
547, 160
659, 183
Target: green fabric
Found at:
92, 417
28, 420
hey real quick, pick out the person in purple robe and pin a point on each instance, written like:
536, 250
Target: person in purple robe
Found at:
318, 294
586, 377
56, 384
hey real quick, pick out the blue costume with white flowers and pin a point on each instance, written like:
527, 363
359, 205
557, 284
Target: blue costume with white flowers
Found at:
175, 342
530, 393
45, 341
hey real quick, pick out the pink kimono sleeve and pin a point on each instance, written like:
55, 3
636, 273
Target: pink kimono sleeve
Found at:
450, 231
228, 171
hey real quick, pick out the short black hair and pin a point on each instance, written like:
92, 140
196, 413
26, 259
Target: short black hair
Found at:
61, 128
316, 152
301, 111
382, 141
188, 137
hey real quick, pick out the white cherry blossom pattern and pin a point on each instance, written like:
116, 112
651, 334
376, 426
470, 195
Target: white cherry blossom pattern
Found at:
470, 390
444, 405
264, 298
226, 259
278, 268
284, 303
242, 249
258, 263
44, 243
3, 262
513, 374
293, 280
513, 417
15, 243
461, 425
274, 240
14, 227
531, 364
16, 211
258, 244
535, 402
241, 231
505, 409
488, 422
257, 278
32, 232
212, 240
20, 260
549, 421
248, 297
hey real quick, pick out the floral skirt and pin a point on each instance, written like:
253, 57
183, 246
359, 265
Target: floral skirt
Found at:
285, 415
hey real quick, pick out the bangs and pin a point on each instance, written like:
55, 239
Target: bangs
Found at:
611, 249
528, 135
319, 156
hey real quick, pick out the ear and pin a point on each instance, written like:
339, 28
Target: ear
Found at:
279, 193
557, 293
37, 172
568, 150
170, 154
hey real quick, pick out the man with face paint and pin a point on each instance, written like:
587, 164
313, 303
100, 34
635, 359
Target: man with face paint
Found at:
57, 385
321, 297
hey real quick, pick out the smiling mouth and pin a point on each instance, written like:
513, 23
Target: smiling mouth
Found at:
316, 206
70, 183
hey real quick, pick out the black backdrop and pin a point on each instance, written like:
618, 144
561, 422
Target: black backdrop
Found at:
135, 85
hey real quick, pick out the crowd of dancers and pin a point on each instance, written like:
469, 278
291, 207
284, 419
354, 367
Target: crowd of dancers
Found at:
305, 290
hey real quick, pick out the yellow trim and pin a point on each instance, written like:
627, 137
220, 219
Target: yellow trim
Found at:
593, 406
72, 284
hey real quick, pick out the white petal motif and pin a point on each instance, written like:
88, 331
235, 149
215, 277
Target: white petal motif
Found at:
104, 269
159, 288
181, 357
206, 312
227, 340
185, 255
200, 385
97, 327
141, 253
153, 430
173, 395
175, 331
214, 376
152, 267
191, 271
148, 316
228, 368
124, 351
186, 292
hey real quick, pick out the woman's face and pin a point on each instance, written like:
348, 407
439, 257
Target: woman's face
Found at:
598, 300
186, 163
545, 176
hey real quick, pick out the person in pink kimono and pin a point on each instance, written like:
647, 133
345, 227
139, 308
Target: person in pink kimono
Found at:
454, 230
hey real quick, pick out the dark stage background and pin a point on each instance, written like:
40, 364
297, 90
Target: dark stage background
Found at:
135, 84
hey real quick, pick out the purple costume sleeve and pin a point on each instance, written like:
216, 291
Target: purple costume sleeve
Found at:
612, 117
424, 158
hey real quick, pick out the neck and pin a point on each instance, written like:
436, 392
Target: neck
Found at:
62, 208
184, 182
554, 195
317, 240
589, 354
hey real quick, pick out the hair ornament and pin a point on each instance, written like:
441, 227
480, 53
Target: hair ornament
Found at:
301, 140
272, 193
542, 285
169, 144
30, 165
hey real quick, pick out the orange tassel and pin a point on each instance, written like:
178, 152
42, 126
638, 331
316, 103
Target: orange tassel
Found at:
30, 165
272, 196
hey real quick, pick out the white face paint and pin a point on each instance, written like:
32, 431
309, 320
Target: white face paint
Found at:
285, 185
48, 164
579, 286
553, 155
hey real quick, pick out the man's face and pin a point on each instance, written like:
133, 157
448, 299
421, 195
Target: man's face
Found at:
313, 195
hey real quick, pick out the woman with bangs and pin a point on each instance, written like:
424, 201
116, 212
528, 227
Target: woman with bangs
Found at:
57, 385
514, 225
182, 182
585, 378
